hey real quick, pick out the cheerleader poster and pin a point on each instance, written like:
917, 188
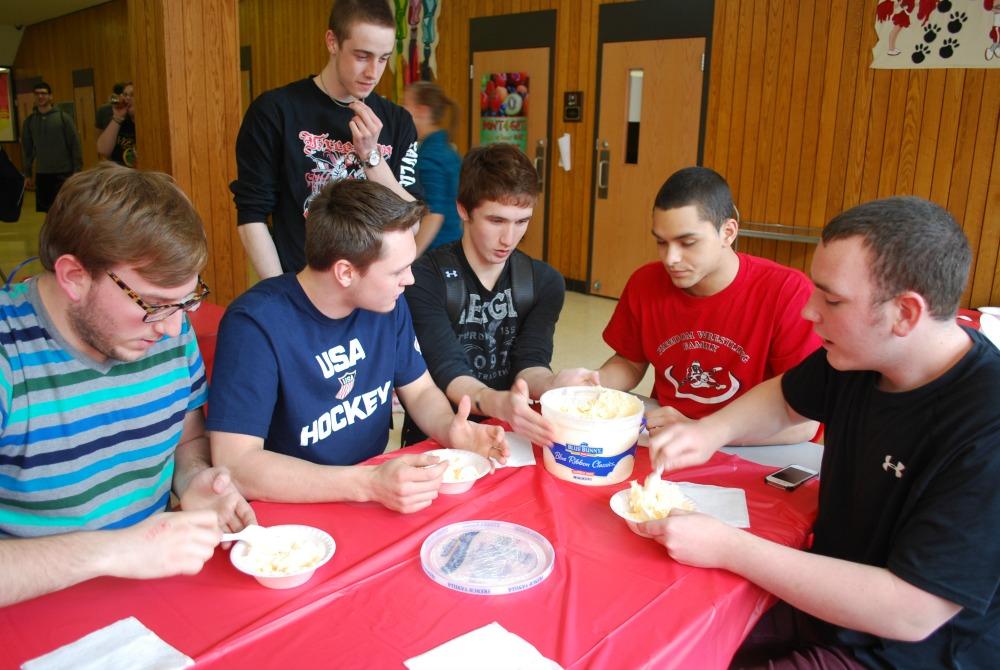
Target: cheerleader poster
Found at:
937, 34
7, 122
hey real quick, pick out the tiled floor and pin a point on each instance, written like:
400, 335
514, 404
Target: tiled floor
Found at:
19, 240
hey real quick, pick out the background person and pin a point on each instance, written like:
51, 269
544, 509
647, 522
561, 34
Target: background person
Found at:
306, 365
103, 385
902, 571
327, 127
116, 123
438, 163
49, 138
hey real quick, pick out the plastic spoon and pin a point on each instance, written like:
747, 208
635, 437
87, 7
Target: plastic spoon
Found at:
251, 534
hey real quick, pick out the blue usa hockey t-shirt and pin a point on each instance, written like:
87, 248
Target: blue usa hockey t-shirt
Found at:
313, 387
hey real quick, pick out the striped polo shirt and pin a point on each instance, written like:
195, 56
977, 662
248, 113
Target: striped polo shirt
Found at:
86, 445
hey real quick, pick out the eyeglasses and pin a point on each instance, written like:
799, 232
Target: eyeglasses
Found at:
156, 313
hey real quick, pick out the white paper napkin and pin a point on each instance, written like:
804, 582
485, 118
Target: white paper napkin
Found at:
520, 449
124, 645
488, 648
728, 505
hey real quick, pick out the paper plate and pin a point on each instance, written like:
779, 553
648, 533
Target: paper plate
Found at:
487, 557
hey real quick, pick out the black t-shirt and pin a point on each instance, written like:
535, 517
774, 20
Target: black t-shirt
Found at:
294, 140
124, 151
911, 483
493, 342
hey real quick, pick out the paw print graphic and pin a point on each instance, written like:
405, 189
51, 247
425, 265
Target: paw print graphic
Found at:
958, 20
932, 32
948, 47
944, 6
920, 52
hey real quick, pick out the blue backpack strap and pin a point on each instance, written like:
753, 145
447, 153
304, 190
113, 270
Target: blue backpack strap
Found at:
10, 277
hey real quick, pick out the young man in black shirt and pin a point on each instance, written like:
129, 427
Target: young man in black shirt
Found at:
905, 567
327, 127
484, 312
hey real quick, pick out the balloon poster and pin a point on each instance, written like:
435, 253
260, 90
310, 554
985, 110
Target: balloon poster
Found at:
503, 108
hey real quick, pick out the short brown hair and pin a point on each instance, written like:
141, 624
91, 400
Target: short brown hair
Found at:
112, 215
499, 173
348, 218
915, 245
345, 13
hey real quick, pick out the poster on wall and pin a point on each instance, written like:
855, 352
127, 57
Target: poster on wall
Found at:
416, 42
503, 108
937, 34
8, 124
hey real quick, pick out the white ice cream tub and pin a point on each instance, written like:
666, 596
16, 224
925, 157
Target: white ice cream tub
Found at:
590, 450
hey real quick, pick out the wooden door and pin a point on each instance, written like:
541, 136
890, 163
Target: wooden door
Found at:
526, 122
650, 111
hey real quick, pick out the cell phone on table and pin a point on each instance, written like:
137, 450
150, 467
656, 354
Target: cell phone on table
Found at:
791, 477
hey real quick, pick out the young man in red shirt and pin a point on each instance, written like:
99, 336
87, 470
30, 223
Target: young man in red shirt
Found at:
712, 322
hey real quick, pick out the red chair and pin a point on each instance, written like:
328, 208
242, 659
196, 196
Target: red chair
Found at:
205, 321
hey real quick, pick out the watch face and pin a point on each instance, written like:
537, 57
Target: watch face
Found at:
374, 158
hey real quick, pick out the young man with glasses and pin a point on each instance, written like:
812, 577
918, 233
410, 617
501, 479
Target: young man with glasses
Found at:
103, 387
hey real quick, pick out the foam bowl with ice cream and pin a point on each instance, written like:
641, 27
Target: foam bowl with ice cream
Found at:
283, 557
464, 468
655, 499
596, 431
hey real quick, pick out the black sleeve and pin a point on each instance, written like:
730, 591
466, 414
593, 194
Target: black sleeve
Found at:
405, 142
533, 345
103, 117
439, 344
258, 161
806, 386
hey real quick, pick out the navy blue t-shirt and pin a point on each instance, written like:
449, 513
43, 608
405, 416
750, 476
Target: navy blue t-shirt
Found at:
313, 387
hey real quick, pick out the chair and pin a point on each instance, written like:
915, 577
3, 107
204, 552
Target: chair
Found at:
205, 321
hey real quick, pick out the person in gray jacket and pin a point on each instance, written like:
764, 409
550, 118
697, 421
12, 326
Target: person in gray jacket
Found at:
50, 137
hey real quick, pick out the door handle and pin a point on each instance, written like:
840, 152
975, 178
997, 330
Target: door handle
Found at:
603, 168
540, 164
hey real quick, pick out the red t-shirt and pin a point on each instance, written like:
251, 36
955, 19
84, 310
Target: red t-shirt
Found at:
706, 351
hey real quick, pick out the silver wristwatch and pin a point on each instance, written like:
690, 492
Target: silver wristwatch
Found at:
374, 158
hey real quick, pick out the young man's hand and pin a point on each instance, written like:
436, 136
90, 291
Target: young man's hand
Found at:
516, 410
487, 441
365, 129
692, 538
165, 544
213, 489
680, 444
407, 483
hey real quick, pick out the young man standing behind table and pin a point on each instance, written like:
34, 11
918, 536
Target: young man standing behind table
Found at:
306, 364
326, 127
102, 393
905, 566
495, 345
713, 322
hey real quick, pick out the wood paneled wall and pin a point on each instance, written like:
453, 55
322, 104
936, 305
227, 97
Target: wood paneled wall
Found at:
96, 38
802, 128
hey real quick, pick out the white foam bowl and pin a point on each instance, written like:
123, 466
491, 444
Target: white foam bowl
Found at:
460, 458
620, 506
242, 559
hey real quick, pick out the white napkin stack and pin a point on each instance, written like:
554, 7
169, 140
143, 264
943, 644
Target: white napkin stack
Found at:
520, 449
124, 645
727, 505
488, 648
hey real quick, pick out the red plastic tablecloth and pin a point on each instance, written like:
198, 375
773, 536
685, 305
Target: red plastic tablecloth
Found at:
613, 600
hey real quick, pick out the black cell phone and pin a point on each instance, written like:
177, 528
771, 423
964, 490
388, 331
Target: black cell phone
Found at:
791, 477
